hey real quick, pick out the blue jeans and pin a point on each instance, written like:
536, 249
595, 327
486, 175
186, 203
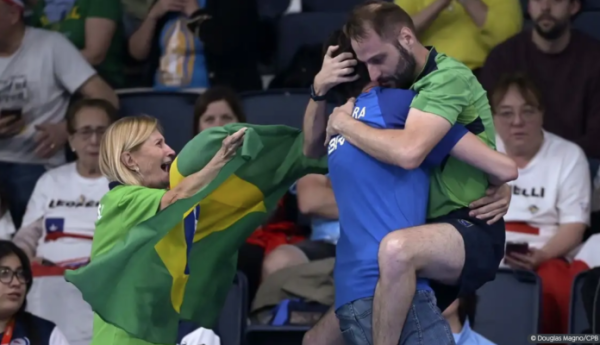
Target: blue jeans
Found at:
18, 181
424, 323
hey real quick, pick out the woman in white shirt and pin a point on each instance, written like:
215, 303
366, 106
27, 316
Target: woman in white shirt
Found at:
550, 206
59, 223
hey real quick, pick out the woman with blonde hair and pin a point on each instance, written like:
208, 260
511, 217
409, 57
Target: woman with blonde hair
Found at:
136, 160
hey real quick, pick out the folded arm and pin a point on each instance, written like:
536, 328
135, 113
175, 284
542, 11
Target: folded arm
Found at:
28, 236
315, 197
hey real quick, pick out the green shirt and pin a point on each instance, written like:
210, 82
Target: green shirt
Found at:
449, 89
70, 21
120, 210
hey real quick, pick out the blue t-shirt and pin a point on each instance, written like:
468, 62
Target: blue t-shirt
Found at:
182, 63
469, 337
375, 198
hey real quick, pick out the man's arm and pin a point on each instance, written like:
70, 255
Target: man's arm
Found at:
95, 87
500, 168
406, 148
433, 111
75, 74
315, 197
335, 70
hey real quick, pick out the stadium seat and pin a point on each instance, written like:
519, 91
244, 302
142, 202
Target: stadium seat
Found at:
276, 107
275, 335
174, 110
594, 165
578, 322
509, 307
298, 29
233, 318
589, 23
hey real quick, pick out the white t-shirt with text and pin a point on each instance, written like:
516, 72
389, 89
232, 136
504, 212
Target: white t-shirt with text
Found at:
67, 205
553, 189
39, 80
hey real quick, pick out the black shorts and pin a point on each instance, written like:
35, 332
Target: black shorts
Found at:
316, 250
484, 250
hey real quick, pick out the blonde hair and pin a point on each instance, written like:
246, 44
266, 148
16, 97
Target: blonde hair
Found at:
125, 135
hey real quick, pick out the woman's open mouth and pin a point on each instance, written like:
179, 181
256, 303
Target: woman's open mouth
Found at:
165, 167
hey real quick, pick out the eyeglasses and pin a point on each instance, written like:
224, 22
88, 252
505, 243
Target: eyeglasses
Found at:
7, 275
509, 116
86, 132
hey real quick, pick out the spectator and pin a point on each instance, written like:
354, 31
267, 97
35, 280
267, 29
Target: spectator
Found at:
563, 63
15, 281
315, 199
466, 30
199, 43
39, 73
550, 206
217, 106
60, 219
461, 317
7, 227
93, 26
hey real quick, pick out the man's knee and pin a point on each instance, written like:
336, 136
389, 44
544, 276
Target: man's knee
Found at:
282, 257
395, 252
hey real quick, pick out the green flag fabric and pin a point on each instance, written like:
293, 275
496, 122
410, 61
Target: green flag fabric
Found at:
180, 263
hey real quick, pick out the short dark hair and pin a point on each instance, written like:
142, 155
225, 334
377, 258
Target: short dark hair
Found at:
214, 94
83, 103
344, 91
385, 18
527, 88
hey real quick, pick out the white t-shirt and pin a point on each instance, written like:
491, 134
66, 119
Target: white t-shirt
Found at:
39, 79
7, 227
67, 203
553, 189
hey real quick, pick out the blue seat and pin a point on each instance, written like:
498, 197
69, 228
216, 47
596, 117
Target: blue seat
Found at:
276, 107
234, 316
509, 307
589, 23
298, 29
275, 335
578, 321
174, 110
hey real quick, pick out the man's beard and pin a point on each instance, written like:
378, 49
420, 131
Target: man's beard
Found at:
554, 32
404, 75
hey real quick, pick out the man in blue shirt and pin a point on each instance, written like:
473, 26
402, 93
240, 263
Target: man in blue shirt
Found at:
373, 199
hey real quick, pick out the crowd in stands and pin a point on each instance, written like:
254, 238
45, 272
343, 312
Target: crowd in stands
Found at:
62, 64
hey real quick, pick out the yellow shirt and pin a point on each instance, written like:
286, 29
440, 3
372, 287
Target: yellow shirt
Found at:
454, 33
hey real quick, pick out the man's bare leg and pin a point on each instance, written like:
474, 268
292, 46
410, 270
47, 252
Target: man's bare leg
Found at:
325, 332
434, 251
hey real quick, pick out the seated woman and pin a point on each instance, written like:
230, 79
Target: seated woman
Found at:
135, 158
58, 226
93, 26
550, 206
461, 318
59, 222
217, 106
16, 325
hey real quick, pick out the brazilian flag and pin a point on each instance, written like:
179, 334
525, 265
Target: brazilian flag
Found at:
185, 256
